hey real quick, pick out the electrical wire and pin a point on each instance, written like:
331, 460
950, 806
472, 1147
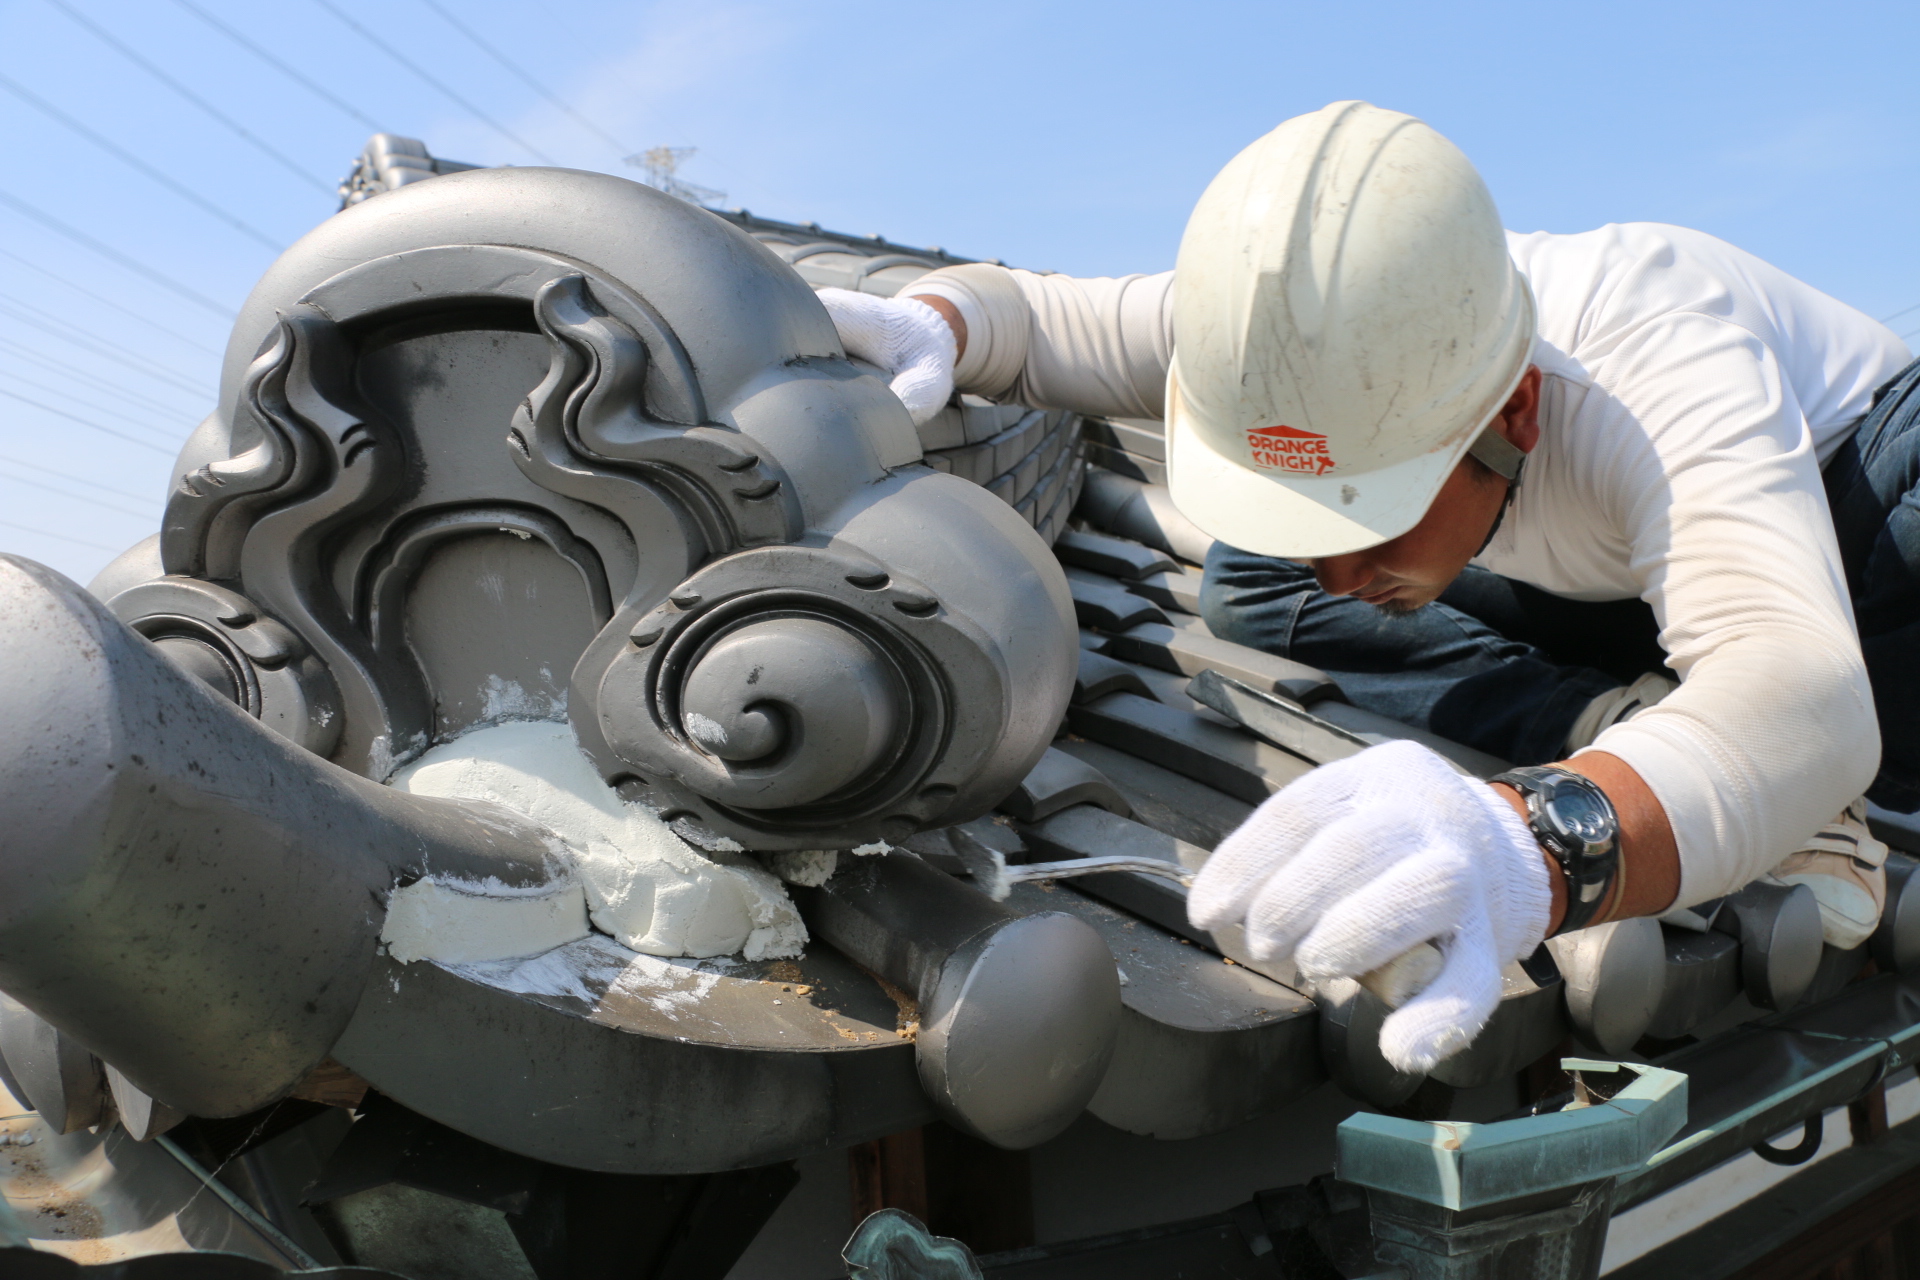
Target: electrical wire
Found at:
81, 238
21, 352
526, 78
159, 325
140, 60
106, 348
112, 148
387, 48
93, 484
64, 537
69, 331
1902, 311
318, 90
74, 417
65, 394
43, 487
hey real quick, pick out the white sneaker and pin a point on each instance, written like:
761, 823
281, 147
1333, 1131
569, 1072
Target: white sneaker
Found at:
1846, 869
1615, 705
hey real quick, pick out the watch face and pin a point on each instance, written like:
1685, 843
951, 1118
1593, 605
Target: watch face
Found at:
1581, 815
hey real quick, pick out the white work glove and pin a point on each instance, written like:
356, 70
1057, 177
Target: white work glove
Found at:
1366, 858
907, 338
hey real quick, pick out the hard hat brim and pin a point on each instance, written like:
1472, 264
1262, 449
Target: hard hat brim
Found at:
1300, 517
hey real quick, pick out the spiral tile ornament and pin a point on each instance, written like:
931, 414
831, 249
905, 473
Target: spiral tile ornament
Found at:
806, 696
785, 692
223, 640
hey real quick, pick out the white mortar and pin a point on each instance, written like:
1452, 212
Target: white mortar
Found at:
460, 923
637, 880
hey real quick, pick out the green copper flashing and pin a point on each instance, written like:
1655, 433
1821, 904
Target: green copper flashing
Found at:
1457, 1165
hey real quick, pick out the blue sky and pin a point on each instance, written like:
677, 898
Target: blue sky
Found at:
1068, 136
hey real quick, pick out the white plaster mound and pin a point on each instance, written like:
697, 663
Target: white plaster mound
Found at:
459, 923
639, 881
805, 867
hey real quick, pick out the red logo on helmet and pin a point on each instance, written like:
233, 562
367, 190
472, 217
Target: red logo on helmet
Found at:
1289, 449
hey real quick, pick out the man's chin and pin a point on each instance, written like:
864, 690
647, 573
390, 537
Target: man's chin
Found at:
1399, 606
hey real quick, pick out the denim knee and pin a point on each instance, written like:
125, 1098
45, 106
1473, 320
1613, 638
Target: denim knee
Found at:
1873, 493
1252, 599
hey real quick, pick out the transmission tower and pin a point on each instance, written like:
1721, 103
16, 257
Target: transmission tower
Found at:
662, 164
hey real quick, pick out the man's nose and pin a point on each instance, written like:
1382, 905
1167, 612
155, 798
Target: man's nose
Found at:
1341, 575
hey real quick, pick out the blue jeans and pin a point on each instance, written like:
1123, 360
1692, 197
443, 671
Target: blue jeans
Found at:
1507, 668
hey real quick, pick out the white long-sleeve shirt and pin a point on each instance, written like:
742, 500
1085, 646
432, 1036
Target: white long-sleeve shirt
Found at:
1690, 394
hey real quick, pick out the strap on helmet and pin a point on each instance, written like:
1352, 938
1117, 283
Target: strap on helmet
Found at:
1494, 452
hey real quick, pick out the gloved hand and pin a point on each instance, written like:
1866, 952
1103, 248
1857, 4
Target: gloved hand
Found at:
909, 339
1364, 858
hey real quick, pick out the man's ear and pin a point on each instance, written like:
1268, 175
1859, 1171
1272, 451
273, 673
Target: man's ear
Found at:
1519, 421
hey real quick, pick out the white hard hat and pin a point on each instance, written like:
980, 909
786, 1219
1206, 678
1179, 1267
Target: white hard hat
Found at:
1346, 322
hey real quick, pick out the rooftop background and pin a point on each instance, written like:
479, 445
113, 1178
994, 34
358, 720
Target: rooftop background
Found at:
1067, 136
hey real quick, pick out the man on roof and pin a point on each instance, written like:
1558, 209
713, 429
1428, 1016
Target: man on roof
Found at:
1607, 505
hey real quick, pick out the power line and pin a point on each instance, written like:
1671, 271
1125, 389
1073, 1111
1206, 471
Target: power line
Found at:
68, 331
44, 487
93, 484
166, 180
318, 90
104, 347
130, 313
79, 237
65, 393
1902, 311
387, 48
94, 380
141, 61
64, 537
74, 417
526, 78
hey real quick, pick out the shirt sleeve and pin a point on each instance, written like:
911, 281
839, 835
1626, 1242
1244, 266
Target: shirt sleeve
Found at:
1098, 346
1703, 450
